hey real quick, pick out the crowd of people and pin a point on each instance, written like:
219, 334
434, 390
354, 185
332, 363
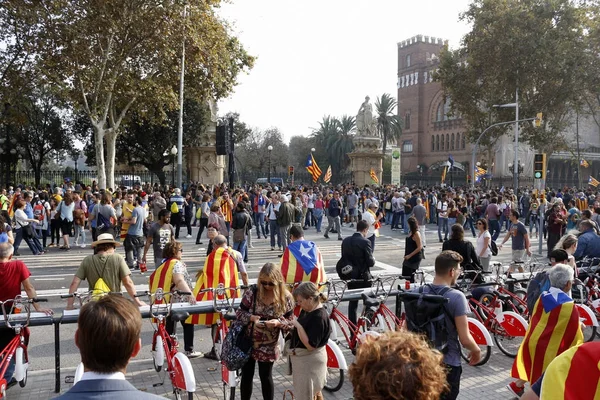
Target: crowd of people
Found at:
392, 366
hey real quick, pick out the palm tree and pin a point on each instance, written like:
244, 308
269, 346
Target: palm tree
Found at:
342, 144
388, 123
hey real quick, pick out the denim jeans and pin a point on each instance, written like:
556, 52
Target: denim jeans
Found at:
319, 219
469, 221
274, 230
309, 218
533, 222
79, 233
396, 220
334, 222
405, 218
388, 217
241, 247
443, 226
451, 221
259, 222
494, 227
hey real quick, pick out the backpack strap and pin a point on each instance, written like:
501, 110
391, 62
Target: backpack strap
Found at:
443, 292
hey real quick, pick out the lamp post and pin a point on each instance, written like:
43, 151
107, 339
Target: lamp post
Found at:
173, 153
520, 168
516, 162
270, 148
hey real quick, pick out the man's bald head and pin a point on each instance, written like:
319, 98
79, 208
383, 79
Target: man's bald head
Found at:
6, 250
220, 240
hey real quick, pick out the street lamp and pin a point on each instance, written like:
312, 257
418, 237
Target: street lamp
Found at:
520, 168
516, 107
270, 148
173, 153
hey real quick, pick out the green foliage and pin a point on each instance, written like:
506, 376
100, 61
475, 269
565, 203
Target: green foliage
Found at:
332, 142
534, 46
388, 122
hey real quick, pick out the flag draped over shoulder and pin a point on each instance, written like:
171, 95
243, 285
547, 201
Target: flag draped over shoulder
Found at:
593, 182
327, 176
302, 262
574, 375
219, 268
127, 211
162, 277
554, 328
313, 168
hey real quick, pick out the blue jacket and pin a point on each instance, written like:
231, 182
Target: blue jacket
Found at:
588, 245
109, 389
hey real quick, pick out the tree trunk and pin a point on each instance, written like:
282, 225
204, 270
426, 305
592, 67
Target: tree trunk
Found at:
162, 177
111, 142
37, 173
99, 133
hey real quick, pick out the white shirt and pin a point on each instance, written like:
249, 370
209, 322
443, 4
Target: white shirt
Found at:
442, 208
481, 243
90, 375
367, 216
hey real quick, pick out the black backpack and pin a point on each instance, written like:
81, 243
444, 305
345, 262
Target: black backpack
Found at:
540, 283
493, 248
426, 314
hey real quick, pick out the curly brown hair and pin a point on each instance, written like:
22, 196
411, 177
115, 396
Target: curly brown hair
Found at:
397, 365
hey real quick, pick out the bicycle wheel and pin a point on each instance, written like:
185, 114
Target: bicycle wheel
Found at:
158, 355
181, 394
335, 379
228, 392
487, 300
509, 345
522, 310
589, 332
486, 352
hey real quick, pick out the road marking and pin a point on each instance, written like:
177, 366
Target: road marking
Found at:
48, 279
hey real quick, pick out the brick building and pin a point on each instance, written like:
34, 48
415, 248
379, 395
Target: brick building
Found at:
430, 135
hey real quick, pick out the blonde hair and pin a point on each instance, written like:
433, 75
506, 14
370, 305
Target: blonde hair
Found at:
280, 292
308, 290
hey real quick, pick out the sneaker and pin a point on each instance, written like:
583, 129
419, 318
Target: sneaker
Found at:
12, 383
514, 389
280, 248
16, 253
51, 245
188, 236
193, 354
251, 246
212, 355
340, 238
326, 236
352, 225
82, 245
272, 248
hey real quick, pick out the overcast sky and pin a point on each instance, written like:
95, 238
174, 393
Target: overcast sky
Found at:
318, 57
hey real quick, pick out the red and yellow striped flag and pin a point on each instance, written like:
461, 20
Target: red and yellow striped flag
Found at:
554, 328
444, 174
574, 375
302, 262
313, 168
593, 181
327, 177
127, 211
219, 268
374, 176
162, 277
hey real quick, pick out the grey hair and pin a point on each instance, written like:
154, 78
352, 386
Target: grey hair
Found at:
219, 241
560, 275
6, 250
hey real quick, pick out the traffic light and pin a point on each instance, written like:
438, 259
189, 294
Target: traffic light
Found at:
538, 120
291, 171
539, 166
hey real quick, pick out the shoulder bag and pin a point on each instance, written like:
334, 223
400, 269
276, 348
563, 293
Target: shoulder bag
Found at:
237, 345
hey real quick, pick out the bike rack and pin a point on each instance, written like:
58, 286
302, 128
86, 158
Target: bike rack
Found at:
202, 307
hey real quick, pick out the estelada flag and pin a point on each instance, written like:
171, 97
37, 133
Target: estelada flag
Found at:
554, 328
219, 268
327, 177
574, 375
374, 176
593, 181
302, 262
162, 277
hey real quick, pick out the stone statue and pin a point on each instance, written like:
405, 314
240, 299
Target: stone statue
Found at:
364, 119
212, 107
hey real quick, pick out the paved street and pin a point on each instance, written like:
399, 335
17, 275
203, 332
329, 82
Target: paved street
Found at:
53, 272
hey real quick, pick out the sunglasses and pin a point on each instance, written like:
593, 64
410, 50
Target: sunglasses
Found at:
181, 250
480, 223
265, 283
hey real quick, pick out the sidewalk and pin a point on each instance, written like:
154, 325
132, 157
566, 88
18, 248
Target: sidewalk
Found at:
485, 382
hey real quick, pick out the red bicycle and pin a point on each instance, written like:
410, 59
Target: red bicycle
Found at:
378, 314
179, 368
17, 318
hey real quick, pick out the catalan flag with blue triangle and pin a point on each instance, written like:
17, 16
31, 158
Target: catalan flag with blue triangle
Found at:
584, 163
554, 328
302, 262
313, 168
593, 182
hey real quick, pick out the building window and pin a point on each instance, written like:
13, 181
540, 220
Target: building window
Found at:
407, 64
407, 146
463, 141
457, 141
437, 142
432, 143
439, 114
447, 141
452, 142
407, 120
442, 145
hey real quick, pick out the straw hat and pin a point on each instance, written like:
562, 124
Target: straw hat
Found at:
105, 238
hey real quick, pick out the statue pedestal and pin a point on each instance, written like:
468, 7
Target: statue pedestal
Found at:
203, 163
367, 155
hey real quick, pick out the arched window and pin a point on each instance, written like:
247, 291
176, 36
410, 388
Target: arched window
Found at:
457, 141
432, 143
463, 141
447, 141
407, 61
439, 114
442, 146
437, 142
452, 142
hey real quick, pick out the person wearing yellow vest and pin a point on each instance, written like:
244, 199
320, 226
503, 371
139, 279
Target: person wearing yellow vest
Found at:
373, 221
222, 267
4, 203
128, 207
173, 274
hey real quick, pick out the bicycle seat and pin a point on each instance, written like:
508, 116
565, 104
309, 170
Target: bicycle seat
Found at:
503, 297
369, 301
468, 296
230, 317
180, 315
